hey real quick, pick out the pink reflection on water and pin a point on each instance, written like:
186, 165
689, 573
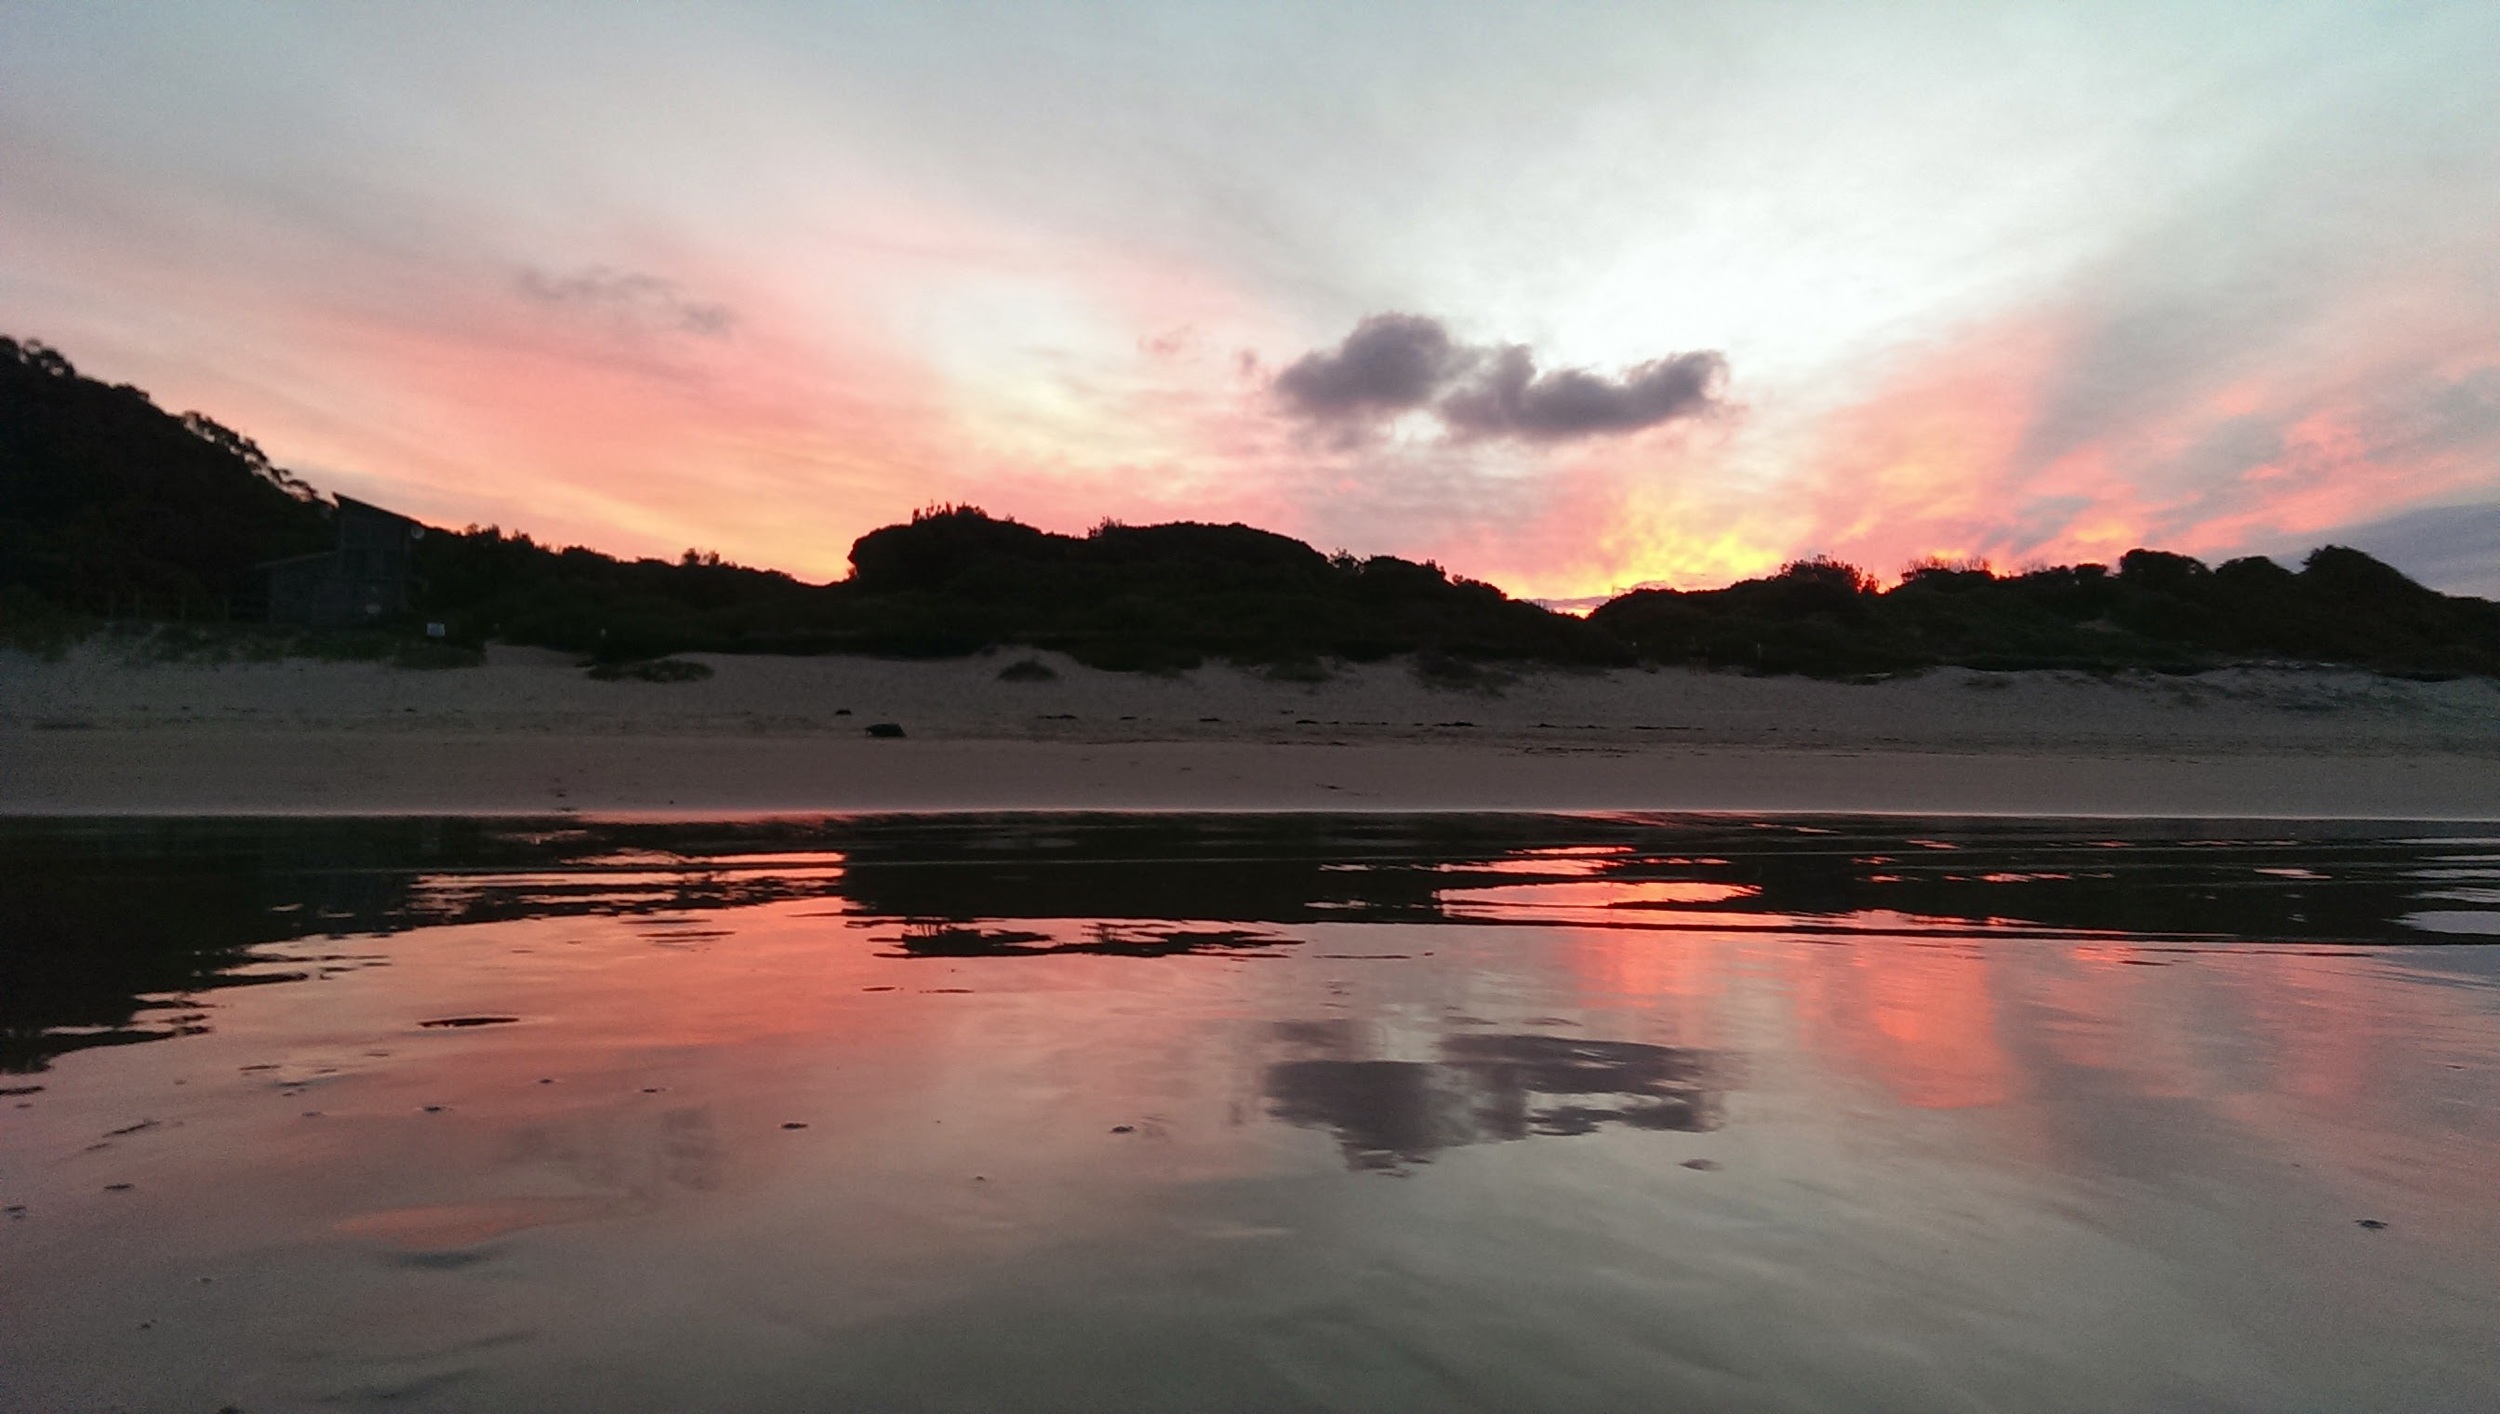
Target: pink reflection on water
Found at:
1920, 1021
807, 1125
1595, 893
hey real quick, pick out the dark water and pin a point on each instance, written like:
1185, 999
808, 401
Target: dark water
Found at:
1259, 1113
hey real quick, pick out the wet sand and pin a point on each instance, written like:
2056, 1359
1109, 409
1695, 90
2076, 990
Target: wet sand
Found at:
1236, 1114
100, 733
210, 772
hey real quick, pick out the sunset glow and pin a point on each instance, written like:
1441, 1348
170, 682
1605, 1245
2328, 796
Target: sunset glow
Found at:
2027, 288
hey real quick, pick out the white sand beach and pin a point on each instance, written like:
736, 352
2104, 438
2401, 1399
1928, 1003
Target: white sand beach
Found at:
102, 730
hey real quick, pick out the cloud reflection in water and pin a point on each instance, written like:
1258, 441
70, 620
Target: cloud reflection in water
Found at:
1485, 1088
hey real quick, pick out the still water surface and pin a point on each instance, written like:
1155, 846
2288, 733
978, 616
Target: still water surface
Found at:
1085, 1113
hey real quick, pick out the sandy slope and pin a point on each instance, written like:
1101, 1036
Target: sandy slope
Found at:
530, 731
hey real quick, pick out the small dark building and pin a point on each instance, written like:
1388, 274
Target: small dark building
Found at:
365, 579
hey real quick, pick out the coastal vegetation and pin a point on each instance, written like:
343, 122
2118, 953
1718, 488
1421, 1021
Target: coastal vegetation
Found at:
2154, 610
113, 510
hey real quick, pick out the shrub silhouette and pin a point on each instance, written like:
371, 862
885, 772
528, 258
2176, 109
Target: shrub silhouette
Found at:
652, 670
1297, 670
2160, 611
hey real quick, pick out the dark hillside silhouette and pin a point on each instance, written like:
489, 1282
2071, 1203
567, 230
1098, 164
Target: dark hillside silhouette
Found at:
110, 506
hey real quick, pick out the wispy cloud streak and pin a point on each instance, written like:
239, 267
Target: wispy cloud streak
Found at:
628, 300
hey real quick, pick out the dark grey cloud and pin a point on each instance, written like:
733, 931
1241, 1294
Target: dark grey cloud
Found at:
1394, 363
629, 298
1390, 363
1508, 397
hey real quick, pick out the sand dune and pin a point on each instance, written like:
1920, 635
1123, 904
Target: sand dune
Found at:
101, 731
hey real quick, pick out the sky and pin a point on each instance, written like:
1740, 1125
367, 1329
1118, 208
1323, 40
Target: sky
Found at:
1565, 297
